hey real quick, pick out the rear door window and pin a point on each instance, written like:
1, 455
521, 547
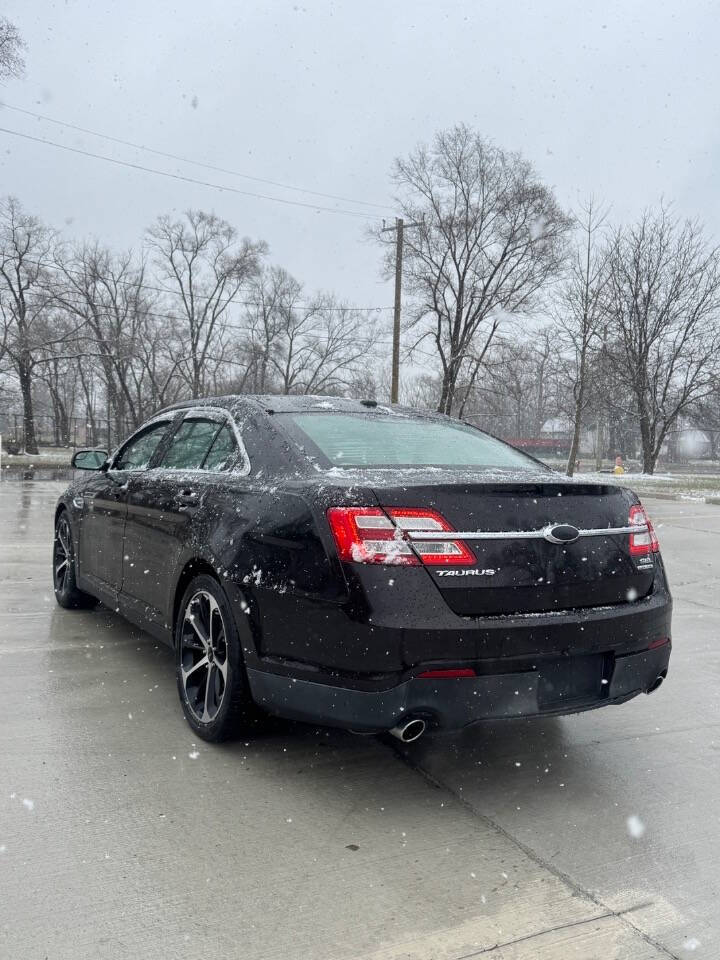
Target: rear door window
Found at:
190, 445
224, 451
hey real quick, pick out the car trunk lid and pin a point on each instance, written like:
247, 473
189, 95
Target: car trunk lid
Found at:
527, 560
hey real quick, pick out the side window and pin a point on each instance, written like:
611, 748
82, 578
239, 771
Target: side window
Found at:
138, 452
190, 445
223, 452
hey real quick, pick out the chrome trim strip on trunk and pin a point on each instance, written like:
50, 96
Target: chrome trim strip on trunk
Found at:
516, 534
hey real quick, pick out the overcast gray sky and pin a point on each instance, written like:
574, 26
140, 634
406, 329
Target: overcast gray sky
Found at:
324, 95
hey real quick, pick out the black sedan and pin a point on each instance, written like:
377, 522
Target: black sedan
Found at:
364, 566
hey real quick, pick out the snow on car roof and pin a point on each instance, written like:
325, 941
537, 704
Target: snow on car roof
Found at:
302, 403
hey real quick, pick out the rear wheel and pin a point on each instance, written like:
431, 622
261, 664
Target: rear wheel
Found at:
67, 593
211, 677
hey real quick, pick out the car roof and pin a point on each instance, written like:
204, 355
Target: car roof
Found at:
299, 403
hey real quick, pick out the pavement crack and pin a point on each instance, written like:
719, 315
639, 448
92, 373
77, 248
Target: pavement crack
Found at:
666, 732
574, 886
533, 936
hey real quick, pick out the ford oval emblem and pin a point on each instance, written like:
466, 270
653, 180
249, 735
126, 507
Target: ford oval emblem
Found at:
561, 533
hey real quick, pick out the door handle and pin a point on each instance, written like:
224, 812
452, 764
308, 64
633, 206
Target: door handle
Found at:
186, 496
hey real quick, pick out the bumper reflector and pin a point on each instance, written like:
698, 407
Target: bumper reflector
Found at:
660, 642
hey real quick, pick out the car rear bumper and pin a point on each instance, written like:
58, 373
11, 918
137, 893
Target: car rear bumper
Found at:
408, 624
559, 685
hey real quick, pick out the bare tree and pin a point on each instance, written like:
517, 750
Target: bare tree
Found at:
106, 292
207, 265
580, 313
422, 391
274, 309
88, 385
158, 357
488, 236
303, 346
664, 303
57, 371
12, 63
26, 247
517, 391
325, 351
101, 339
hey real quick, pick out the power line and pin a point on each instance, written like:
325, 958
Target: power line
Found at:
78, 302
69, 303
185, 179
220, 326
45, 265
197, 163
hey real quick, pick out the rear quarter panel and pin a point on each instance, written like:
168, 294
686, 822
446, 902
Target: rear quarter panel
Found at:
292, 578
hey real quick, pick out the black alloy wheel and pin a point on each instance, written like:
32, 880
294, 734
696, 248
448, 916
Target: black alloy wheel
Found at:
210, 670
67, 593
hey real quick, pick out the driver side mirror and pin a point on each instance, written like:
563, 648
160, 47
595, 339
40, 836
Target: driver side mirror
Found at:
88, 459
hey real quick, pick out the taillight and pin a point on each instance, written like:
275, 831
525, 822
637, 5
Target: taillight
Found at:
645, 543
432, 552
368, 535
372, 535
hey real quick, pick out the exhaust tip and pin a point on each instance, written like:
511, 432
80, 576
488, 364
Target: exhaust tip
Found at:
410, 730
657, 682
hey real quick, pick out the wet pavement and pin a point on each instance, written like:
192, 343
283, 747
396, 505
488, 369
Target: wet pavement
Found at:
595, 836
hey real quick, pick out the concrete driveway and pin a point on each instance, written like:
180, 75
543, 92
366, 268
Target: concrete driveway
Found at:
595, 836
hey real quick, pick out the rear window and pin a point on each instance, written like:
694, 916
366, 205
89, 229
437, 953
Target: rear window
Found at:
347, 440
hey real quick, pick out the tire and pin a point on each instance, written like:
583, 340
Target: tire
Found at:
65, 586
210, 668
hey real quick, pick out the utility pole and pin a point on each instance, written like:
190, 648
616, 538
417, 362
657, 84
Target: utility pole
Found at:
395, 384
399, 229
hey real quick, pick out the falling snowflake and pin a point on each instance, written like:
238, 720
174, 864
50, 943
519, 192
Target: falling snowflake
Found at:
635, 826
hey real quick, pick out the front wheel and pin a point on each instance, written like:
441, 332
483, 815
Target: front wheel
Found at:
211, 677
67, 593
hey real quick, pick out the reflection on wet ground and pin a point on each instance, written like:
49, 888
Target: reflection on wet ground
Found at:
24, 474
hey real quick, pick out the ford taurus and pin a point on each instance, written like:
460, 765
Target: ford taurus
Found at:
363, 566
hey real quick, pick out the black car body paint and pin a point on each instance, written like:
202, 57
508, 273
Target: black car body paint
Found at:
546, 627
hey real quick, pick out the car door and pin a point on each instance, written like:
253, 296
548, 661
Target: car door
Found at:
100, 544
162, 504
